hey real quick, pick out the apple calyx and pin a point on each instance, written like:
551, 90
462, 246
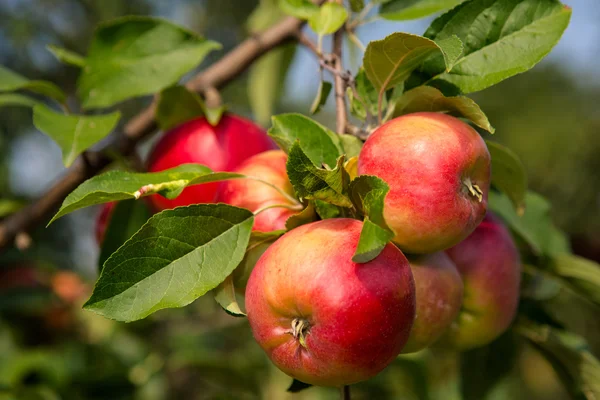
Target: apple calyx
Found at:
300, 328
474, 190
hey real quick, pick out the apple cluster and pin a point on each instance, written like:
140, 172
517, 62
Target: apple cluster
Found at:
451, 276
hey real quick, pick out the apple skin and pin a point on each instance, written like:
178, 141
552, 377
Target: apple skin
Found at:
428, 160
490, 266
358, 316
221, 148
253, 195
102, 221
439, 291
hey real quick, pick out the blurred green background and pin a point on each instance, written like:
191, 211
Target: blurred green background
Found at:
50, 349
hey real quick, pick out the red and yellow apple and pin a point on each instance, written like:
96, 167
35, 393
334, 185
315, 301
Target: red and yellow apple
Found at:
103, 219
489, 264
320, 317
438, 170
255, 195
439, 291
221, 148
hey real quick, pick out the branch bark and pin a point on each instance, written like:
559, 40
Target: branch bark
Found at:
143, 125
340, 84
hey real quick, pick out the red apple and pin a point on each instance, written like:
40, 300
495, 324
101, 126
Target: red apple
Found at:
439, 291
489, 264
102, 220
322, 318
221, 148
254, 195
438, 170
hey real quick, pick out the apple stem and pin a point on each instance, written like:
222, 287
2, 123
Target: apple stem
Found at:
345, 392
294, 207
474, 190
300, 328
283, 193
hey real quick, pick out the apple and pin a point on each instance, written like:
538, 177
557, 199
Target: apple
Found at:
255, 195
438, 170
439, 291
102, 220
320, 317
489, 263
221, 148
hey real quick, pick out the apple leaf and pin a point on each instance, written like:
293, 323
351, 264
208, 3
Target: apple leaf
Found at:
136, 56
73, 133
9, 206
390, 61
351, 145
402, 10
67, 56
225, 296
126, 218
123, 185
582, 274
176, 257
13, 99
321, 98
366, 103
501, 38
305, 216
303, 9
535, 226
320, 144
177, 105
427, 98
570, 356
368, 196
508, 174
313, 183
11, 81
330, 18
326, 210
357, 5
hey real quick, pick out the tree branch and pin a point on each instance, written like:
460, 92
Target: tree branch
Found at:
340, 84
141, 126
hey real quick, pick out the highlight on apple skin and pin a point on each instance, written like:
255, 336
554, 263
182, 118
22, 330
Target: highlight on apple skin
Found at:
221, 148
438, 170
439, 291
255, 195
320, 317
490, 266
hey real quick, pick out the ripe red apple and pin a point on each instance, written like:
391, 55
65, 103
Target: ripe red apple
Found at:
221, 148
254, 195
322, 318
439, 291
438, 170
489, 264
102, 220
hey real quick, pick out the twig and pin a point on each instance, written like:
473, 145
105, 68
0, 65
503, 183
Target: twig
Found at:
141, 126
340, 85
345, 392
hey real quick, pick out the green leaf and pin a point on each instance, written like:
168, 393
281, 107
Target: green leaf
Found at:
11, 81
351, 145
427, 98
368, 94
126, 218
176, 257
582, 274
357, 5
312, 183
136, 56
508, 174
321, 97
388, 62
177, 105
303, 9
326, 210
402, 10
535, 226
329, 19
67, 56
123, 185
320, 144
8, 206
225, 296
368, 196
305, 216
502, 38
569, 355
73, 133
13, 99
